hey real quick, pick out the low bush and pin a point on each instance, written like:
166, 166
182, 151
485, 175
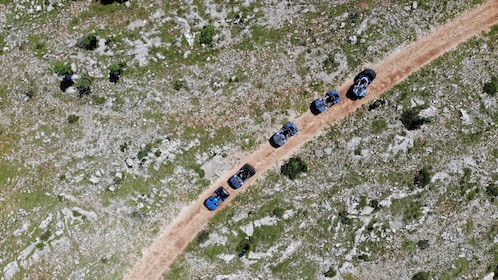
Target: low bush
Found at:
492, 87
207, 34
83, 85
62, 69
411, 119
115, 71
330, 273
88, 42
294, 167
422, 178
422, 275
72, 118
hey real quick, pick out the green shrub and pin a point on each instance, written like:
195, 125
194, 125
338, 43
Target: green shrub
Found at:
345, 219
422, 275
423, 244
492, 87
330, 273
115, 71
294, 167
62, 69
411, 119
379, 126
492, 190
72, 118
144, 152
179, 84
279, 212
422, 178
374, 203
99, 100
207, 34
83, 84
88, 42
203, 236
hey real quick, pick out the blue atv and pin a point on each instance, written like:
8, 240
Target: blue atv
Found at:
361, 82
321, 104
278, 139
245, 172
213, 201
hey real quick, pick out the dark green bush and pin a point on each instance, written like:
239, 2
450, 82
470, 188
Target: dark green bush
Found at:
294, 167
207, 34
422, 275
345, 219
62, 69
423, 244
203, 236
83, 84
330, 273
422, 178
411, 119
179, 84
374, 203
72, 118
492, 190
492, 87
115, 71
144, 152
279, 212
88, 42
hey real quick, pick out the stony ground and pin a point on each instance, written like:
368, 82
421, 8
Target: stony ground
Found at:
83, 199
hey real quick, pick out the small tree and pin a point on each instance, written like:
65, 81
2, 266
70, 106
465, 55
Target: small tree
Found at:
88, 42
83, 85
411, 119
492, 190
62, 69
330, 273
115, 70
422, 275
207, 34
422, 178
294, 167
492, 87
72, 118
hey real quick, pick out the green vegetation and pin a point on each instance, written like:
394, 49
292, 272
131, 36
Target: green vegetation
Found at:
294, 167
62, 68
115, 71
491, 87
422, 275
492, 190
379, 126
207, 34
178, 84
330, 273
411, 119
83, 84
88, 42
72, 118
422, 178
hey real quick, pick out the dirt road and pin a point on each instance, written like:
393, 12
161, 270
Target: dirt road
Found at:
390, 71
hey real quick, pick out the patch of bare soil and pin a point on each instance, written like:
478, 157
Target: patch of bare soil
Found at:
392, 70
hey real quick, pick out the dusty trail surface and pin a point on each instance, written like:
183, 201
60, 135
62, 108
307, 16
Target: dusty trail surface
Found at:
392, 70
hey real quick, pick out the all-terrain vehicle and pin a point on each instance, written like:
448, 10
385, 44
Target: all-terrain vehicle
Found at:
361, 82
321, 104
278, 139
244, 173
213, 201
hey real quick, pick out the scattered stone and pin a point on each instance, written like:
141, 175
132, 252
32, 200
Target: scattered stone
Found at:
353, 39
414, 5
